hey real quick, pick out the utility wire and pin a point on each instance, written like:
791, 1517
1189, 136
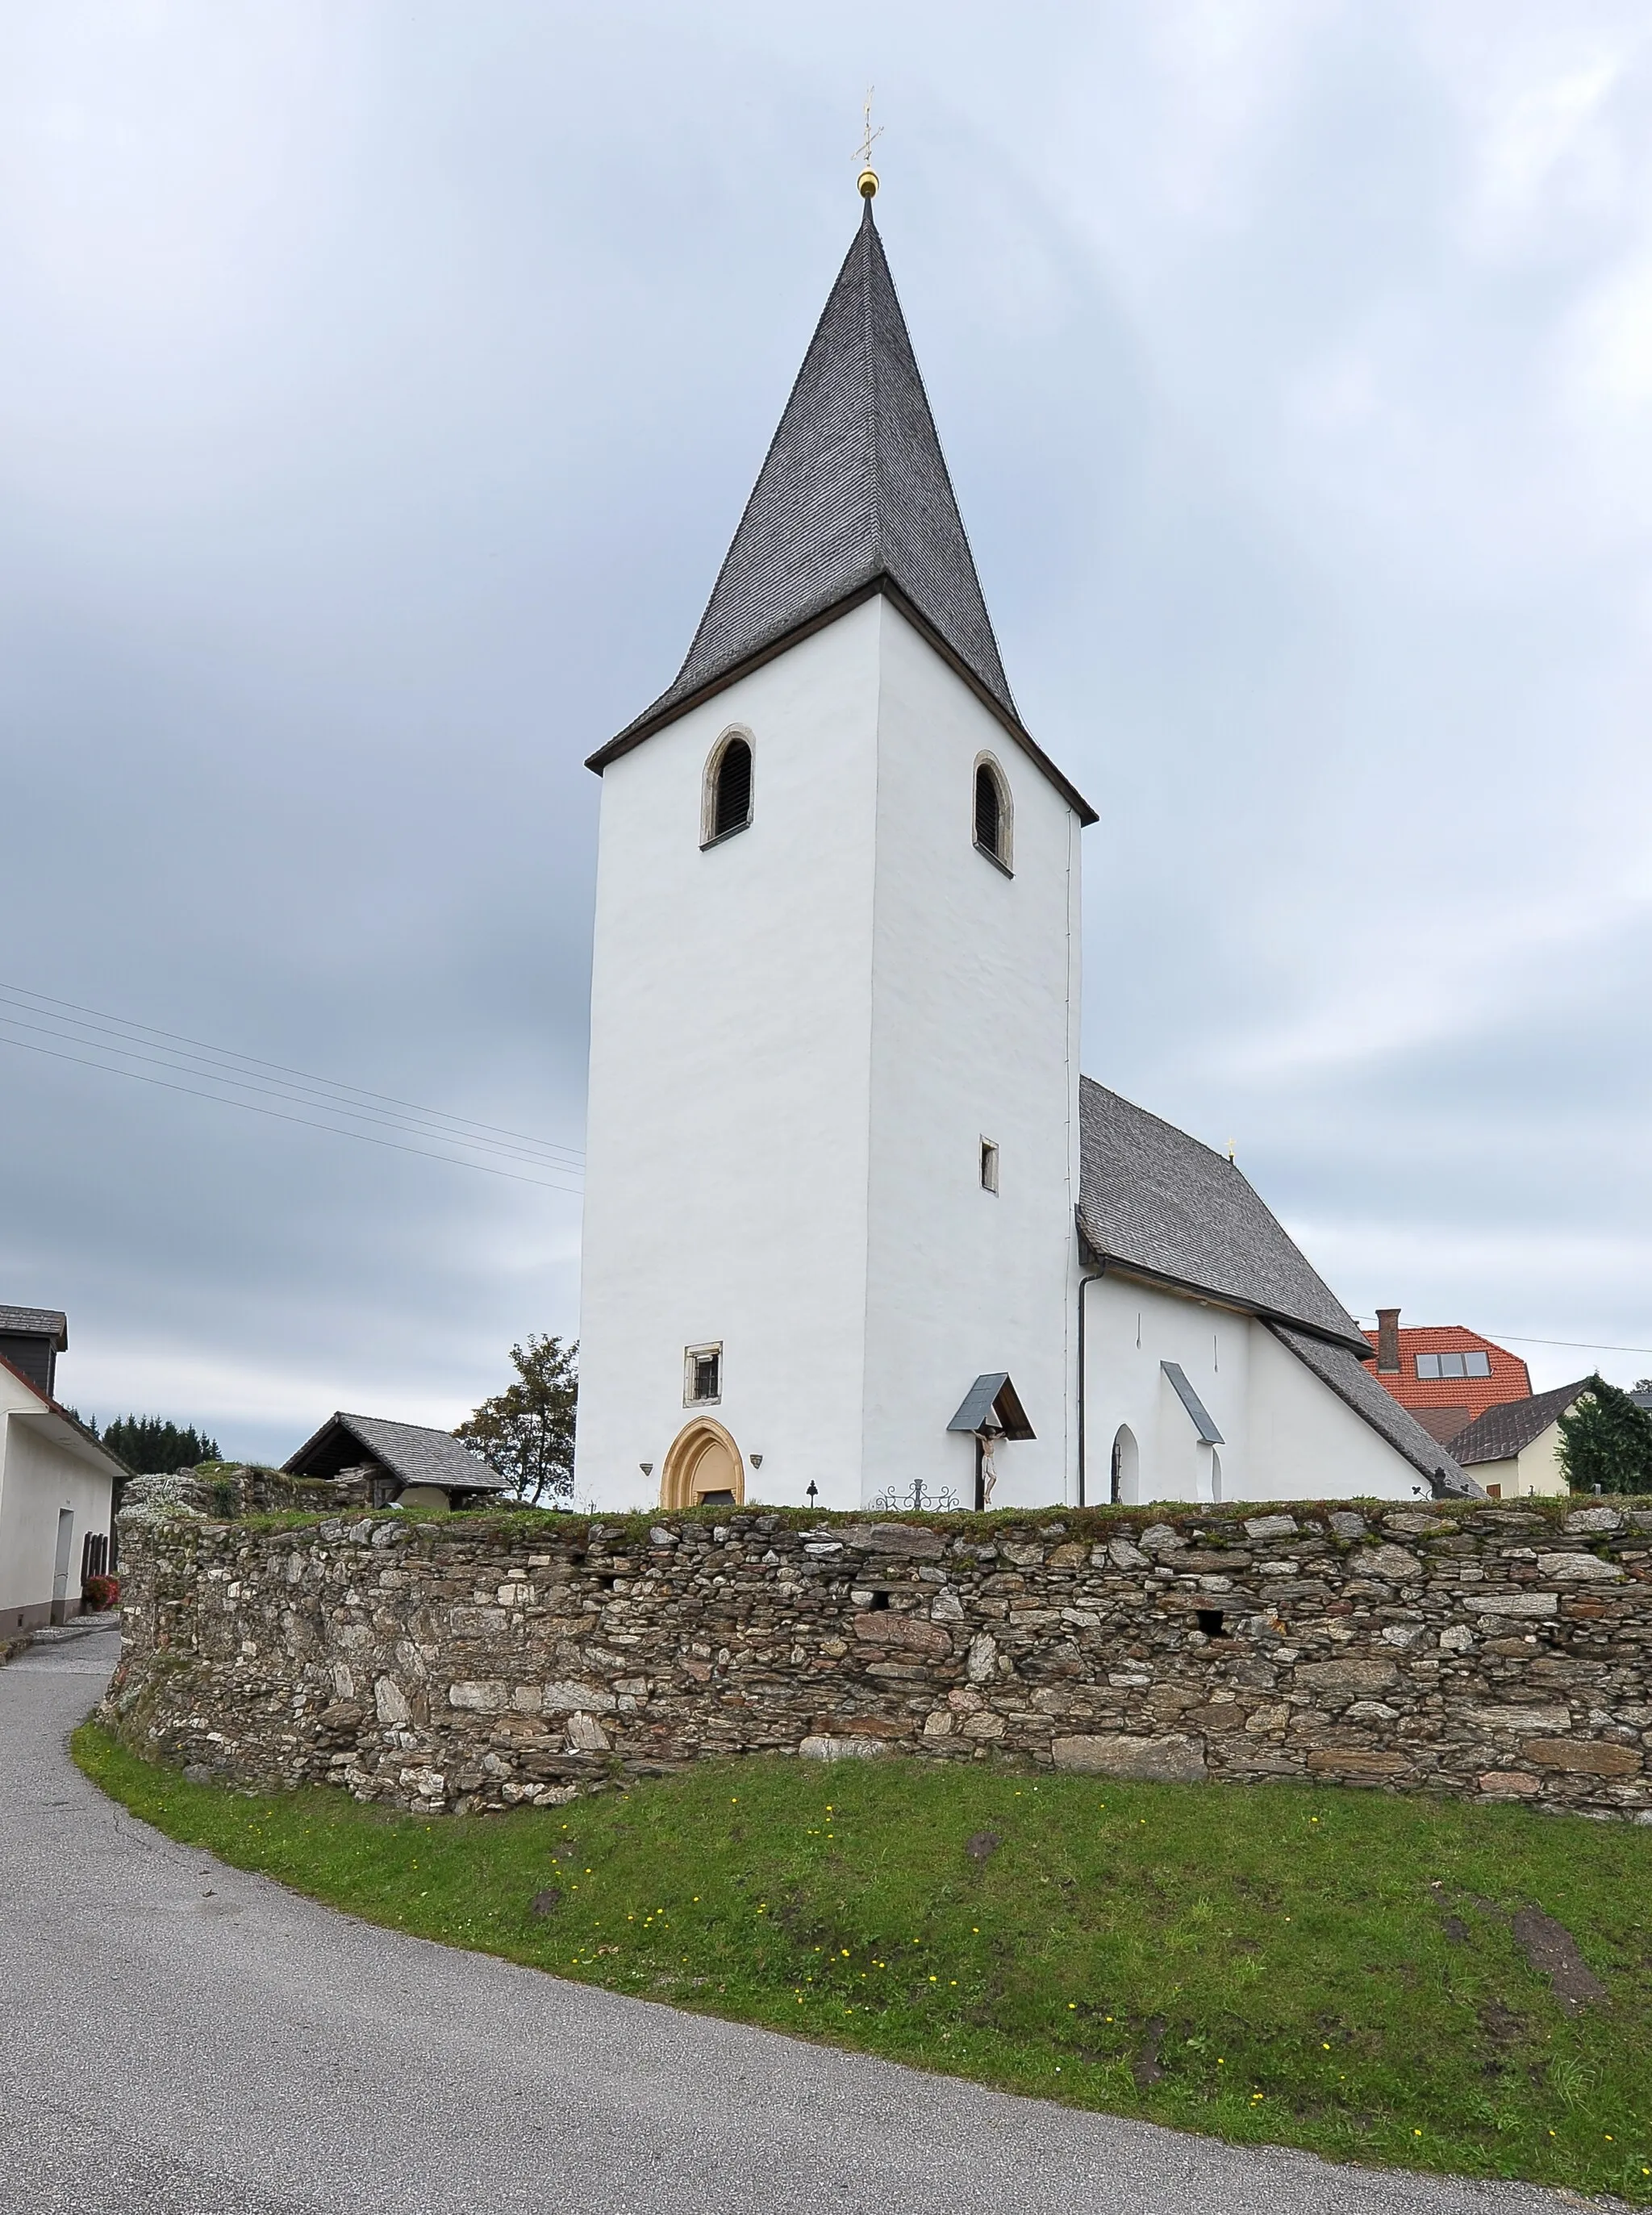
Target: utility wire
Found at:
432, 1123
221, 1065
188, 1066
1578, 1345
454, 1161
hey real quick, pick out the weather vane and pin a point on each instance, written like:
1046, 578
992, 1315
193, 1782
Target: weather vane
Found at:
869, 175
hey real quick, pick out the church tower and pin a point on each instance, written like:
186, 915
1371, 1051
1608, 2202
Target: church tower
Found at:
833, 1151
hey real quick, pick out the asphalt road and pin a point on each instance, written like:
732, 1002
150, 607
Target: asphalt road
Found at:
182, 2039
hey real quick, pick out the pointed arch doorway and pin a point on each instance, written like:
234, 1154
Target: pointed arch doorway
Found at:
703, 1465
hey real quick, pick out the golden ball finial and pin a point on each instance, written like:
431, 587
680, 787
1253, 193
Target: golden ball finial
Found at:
869, 183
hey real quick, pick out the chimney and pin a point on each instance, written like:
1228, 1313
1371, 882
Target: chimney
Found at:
1388, 1341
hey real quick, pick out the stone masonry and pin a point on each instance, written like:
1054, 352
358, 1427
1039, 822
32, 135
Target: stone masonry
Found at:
481, 1661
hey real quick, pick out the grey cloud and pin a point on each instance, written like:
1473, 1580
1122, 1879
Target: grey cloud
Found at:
380, 393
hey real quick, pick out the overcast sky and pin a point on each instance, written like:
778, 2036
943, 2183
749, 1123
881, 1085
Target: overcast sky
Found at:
379, 388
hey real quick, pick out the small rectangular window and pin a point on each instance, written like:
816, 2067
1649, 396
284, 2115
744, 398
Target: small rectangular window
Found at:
1427, 1364
702, 1374
1452, 1365
1479, 1364
989, 1166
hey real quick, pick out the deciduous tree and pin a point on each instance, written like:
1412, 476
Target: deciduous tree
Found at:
527, 1431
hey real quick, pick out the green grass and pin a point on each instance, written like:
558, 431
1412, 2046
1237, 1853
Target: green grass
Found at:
1327, 1969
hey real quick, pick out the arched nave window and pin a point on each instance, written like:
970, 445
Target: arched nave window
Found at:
994, 813
727, 805
1127, 1466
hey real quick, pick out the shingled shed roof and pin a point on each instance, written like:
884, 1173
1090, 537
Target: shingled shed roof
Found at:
1154, 1201
36, 1323
1508, 1429
408, 1451
854, 498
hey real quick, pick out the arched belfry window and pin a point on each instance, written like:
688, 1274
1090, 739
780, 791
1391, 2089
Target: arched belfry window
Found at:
727, 802
994, 814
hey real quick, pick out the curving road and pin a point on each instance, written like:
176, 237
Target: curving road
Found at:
187, 2040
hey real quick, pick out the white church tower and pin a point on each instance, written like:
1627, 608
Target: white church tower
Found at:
832, 1155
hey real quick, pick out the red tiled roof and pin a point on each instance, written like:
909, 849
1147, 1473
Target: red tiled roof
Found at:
1455, 1401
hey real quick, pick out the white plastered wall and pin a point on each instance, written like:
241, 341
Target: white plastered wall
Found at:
1130, 1330
1285, 1434
1306, 1444
974, 1013
799, 1038
726, 1150
1535, 1471
39, 1476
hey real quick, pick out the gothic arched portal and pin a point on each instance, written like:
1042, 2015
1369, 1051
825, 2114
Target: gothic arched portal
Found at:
703, 1464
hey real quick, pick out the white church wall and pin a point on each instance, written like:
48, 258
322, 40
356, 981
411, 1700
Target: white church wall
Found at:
974, 1010
726, 1145
1309, 1445
1285, 1434
1131, 1329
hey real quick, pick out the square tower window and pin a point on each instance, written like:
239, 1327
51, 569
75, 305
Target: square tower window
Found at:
989, 1166
701, 1375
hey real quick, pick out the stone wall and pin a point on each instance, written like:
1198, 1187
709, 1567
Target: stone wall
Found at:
481, 1661
226, 1489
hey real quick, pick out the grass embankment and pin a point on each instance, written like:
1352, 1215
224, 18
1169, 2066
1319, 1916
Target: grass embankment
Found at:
1332, 1970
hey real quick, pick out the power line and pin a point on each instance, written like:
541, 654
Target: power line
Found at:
188, 1065
453, 1160
455, 1136
220, 1064
1579, 1345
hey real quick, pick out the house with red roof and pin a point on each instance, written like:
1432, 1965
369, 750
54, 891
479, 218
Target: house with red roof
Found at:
1446, 1375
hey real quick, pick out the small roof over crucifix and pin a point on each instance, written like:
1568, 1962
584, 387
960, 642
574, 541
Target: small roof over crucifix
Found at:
993, 1403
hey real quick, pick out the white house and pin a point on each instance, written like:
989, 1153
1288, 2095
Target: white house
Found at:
1514, 1449
57, 1483
837, 1211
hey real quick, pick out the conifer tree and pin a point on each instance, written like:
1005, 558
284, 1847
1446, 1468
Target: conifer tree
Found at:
1605, 1441
151, 1447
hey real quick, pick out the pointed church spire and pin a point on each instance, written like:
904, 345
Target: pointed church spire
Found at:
852, 499
854, 489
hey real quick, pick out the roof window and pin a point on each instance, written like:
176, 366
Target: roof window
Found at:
1474, 1363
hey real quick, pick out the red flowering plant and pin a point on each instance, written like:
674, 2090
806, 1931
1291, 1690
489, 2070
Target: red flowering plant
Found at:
99, 1592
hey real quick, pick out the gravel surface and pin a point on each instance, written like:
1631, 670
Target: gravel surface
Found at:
184, 2039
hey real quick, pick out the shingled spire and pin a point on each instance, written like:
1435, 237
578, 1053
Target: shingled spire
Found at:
854, 498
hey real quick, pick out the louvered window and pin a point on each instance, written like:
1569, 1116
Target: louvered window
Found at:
993, 812
986, 809
732, 806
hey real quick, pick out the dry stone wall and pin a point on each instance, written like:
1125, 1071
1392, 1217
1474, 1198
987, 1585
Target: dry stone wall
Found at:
479, 1661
